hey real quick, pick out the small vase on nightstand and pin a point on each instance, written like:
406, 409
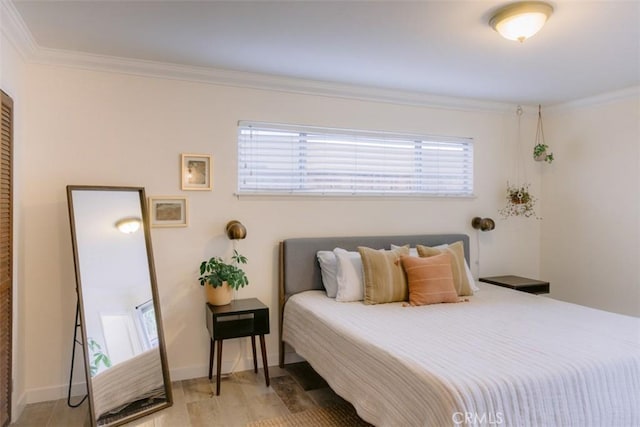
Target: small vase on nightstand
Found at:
221, 295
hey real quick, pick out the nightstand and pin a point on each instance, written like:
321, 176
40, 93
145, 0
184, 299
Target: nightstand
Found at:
519, 284
239, 318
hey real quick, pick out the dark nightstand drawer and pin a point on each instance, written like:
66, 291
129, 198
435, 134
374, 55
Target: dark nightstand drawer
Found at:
518, 283
240, 318
234, 328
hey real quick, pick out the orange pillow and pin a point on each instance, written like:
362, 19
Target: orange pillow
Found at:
430, 279
458, 265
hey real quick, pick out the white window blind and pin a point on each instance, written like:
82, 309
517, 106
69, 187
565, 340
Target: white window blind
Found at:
286, 159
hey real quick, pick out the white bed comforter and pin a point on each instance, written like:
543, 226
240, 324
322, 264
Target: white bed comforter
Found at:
503, 358
137, 378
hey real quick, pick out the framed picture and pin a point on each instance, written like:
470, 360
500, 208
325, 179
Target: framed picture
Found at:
168, 211
196, 172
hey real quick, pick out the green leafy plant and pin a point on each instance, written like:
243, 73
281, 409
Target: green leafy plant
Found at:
97, 357
520, 202
215, 272
540, 153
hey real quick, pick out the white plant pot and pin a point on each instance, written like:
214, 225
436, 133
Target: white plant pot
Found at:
541, 157
222, 295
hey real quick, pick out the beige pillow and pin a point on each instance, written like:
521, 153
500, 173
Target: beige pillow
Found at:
430, 279
460, 279
384, 278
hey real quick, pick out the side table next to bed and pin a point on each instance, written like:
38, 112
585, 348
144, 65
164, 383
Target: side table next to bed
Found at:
239, 318
519, 284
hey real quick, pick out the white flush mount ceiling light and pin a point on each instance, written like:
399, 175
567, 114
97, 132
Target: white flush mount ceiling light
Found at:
128, 225
519, 21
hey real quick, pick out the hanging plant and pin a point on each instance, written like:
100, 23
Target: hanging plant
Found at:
540, 150
540, 153
520, 202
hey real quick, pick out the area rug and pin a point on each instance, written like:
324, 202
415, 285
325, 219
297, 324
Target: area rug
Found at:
333, 416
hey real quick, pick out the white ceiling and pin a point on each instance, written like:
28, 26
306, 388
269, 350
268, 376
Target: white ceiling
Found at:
433, 47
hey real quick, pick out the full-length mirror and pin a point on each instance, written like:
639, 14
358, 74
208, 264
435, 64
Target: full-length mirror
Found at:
125, 358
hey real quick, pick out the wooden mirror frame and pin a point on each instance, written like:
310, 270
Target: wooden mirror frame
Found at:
168, 401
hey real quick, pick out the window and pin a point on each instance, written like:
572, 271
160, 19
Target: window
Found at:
284, 159
147, 319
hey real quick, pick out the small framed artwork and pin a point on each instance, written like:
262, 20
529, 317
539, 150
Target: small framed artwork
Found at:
197, 172
168, 211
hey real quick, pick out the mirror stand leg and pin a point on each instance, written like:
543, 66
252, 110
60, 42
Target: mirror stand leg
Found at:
73, 357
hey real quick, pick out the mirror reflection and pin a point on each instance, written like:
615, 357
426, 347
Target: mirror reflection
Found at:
124, 352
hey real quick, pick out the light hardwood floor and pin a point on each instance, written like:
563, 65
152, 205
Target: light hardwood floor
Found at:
243, 398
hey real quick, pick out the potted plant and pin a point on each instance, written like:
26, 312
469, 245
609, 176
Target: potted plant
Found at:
540, 148
540, 153
520, 202
519, 195
220, 278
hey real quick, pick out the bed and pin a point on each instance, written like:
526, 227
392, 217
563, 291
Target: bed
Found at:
136, 382
502, 358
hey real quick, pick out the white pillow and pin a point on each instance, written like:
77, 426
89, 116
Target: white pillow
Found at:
472, 282
349, 274
329, 270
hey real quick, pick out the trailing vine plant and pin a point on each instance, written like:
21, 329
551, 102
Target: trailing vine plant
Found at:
520, 202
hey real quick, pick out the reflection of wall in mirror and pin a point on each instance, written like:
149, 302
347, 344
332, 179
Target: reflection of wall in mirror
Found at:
114, 323
120, 336
102, 246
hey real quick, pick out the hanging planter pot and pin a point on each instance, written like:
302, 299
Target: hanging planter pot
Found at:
520, 202
519, 196
541, 151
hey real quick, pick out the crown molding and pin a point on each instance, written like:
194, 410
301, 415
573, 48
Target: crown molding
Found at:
600, 99
258, 81
16, 31
14, 28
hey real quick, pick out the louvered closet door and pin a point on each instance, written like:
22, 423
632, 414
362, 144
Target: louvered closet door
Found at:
6, 255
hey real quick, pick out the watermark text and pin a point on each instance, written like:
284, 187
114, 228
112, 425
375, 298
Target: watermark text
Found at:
475, 418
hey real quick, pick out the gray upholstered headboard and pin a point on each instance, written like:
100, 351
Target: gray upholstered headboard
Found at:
300, 271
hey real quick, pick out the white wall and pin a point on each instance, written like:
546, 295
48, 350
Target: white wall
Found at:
111, 129
591, 229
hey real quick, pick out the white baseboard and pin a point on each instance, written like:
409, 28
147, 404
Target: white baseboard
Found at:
54, 392
177, 374
238, 365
